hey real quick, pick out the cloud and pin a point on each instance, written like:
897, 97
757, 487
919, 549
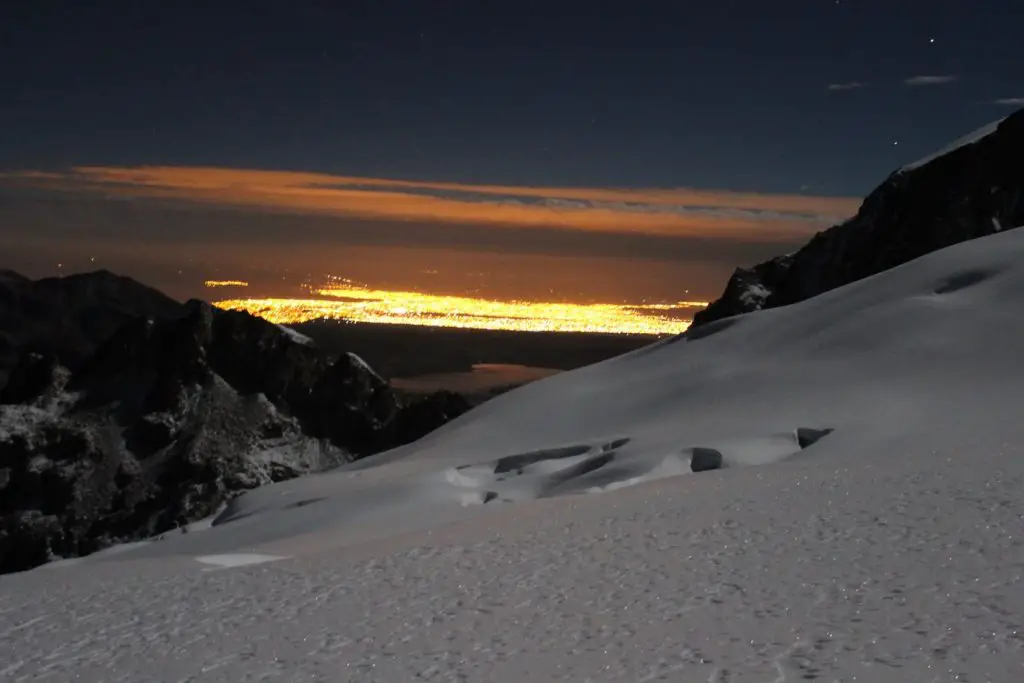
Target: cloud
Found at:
177, 245
1010, 101
666, 212
930, 80
852, 85
260, 226
87, 223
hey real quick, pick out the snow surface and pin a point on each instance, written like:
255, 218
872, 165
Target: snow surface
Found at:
968, 139
237, 559
360, 363
556, 534
296, 336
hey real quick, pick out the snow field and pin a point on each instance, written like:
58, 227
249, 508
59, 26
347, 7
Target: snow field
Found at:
890, 550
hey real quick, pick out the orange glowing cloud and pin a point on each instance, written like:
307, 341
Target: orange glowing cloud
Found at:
671, 212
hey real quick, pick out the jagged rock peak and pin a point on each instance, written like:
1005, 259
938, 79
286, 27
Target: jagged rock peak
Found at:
167, 412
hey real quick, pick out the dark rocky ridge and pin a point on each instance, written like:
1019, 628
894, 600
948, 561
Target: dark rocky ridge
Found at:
970, 192
70, 316
169, 417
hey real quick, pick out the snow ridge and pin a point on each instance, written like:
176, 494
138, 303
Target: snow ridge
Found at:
968, 139
295, 336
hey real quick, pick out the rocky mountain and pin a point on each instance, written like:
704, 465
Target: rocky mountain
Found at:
972, 189
70, 316
169, 416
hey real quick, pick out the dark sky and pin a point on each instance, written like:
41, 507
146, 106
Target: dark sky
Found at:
793, 97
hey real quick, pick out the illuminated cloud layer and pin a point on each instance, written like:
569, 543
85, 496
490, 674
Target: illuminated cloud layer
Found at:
669, 212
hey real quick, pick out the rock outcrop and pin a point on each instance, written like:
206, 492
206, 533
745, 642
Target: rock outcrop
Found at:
971, 191
423, 414
705, 459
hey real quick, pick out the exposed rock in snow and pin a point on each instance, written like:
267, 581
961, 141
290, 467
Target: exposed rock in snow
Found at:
704, 459
972, 189
807, 437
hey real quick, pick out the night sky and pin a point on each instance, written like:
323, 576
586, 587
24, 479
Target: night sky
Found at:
784, 113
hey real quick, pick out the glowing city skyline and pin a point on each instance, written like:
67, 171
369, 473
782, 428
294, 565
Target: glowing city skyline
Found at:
346, 301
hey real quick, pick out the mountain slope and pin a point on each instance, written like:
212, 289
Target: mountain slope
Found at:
166, 422
158, 423
889, 550
70, 316
972, 189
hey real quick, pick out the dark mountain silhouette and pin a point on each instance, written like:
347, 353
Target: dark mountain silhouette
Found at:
127, 414
70, 316
971, 191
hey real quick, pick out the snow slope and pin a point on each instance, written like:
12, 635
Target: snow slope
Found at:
555, 533
296, 336
968, 139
